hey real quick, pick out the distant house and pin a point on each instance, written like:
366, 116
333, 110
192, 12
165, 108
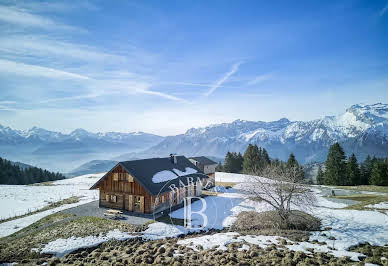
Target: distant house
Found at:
205, 165
150, 185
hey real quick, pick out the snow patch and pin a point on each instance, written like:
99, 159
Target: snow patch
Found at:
61, 247
161, 230
167, 175
381, 205
187, 171
163, 176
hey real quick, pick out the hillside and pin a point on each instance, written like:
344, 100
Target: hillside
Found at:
362, 129
95, 166
12, 174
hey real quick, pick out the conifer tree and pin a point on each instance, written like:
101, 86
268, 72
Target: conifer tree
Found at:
292, 162
320, 176
233, 162
365, 170
219, 167
352, 171
335, 173
251, 159
379, 176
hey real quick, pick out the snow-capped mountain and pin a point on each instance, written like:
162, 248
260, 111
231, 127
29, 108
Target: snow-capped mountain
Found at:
58, 151
362, 129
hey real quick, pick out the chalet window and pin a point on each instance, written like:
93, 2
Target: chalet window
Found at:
115, 176
129, 178
137, 202
163, 199
113, 198
122, 176
107, 197
157, 201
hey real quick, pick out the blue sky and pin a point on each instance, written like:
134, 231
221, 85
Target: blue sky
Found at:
166, 66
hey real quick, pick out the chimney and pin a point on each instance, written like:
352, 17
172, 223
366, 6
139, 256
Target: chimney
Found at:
173, 158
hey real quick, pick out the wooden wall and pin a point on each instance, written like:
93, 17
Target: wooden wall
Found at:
120, 184
122, 188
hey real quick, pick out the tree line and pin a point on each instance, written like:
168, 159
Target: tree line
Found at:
254, 161
11, 174
342, 171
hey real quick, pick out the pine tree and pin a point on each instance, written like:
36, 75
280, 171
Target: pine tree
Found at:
320, 176
14, 175
292, 162
265, 157
239, 159
219, 167
335, 166
352, 171
366, 170
251, 159
228, 162
379, 176
233, 162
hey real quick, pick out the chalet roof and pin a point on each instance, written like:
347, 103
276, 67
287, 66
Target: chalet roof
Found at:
144, 170
203, 160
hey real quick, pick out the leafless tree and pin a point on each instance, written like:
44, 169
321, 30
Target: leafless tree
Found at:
281, 187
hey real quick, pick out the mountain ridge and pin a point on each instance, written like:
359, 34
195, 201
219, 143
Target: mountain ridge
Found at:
362, 129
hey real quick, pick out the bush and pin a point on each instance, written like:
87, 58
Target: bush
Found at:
271, 220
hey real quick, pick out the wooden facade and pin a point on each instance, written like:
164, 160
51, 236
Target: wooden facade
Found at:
120, 190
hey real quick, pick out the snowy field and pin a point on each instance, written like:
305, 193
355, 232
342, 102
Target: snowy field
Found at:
21, 199
348, 227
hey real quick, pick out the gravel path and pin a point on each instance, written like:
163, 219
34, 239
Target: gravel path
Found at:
92, 209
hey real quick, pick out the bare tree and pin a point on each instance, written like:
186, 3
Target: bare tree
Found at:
281, 187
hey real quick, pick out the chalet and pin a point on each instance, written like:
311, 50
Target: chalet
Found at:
207, 166
150, 185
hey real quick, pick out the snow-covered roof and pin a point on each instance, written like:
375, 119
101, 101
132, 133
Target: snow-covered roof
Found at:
157, 174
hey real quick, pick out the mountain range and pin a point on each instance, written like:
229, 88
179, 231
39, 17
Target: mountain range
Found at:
362, 129
63, 152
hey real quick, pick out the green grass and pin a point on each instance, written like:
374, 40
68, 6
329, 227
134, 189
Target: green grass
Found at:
369, 188
169, 220
17, 246
364, 200
52, 205
226, 184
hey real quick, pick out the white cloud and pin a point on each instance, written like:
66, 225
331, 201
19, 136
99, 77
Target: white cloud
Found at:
224, 78
258, 79
41, 46
12, 67
385, 9
164, 95
24, 18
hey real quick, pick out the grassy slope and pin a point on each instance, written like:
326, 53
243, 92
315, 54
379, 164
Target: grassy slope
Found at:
369, 188
18, 245
364, 200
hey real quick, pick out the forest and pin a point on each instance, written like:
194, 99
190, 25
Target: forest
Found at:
11, 174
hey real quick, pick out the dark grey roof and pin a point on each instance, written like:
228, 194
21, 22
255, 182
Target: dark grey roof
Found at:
144, 170
203, 160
